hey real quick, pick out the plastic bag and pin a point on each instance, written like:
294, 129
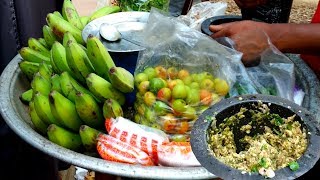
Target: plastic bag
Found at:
201, 11
143, 5
274, 75
180, 74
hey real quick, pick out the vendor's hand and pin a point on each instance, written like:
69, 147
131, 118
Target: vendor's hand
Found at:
249, 3
249, 37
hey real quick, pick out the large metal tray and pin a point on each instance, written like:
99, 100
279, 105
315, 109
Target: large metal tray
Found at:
15, 113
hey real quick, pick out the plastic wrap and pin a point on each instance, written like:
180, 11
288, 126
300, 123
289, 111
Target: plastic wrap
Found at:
180, 74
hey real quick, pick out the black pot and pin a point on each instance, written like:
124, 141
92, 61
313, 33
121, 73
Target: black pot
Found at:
229, 107
218, 20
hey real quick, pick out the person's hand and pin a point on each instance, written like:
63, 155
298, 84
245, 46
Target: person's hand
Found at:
250, 38
249, 3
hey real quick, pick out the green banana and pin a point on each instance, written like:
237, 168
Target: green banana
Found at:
39, 125
40, 84
67, 37
37, 46
70, 13
102, 89
48, 35
112, 109
84, 20
99, 57
31, 55
57, 13
89, 137
44, 43
45, 70
59, 58
55, 83
26, 96
42, 107
78, 61
64, 111
61, 26
64, 138
104, 11
89, 110
121, 79
69, 87
29, 68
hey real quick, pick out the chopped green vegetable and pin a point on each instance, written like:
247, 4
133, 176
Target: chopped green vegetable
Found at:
255, 168
294, 165
263, 162
277, 119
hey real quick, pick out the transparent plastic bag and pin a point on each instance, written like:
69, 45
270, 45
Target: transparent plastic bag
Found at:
201, 11
273, 75
180, 74
143, 5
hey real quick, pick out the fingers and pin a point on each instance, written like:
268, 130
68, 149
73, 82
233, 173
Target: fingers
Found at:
219, 30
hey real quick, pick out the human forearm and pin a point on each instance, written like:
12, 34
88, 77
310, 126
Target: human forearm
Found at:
295, 38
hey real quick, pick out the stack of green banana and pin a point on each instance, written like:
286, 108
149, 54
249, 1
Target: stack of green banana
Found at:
74, 85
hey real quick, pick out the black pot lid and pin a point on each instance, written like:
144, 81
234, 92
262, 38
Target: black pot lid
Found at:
129, 24
230, 106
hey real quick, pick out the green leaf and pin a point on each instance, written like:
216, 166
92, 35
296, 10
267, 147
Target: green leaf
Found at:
263, 162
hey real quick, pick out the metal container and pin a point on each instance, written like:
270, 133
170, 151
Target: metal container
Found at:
15, 113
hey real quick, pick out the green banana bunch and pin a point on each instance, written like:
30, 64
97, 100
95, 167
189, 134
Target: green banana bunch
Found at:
48, 35
104, 11
64, 111
111, 109
99, 57
121, 79
70, 14
64, 138
42, 107
40, 84
55, 83
102, 89
78, 61
39, 125
89, 110
89, 137
84, 20
59, 58
44, 43
31, 55
62, 26
26, 96
45, 71
29, 68
37, 46
57, 13
70, 87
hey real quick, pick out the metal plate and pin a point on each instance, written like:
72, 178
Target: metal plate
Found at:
15, 114
130, 25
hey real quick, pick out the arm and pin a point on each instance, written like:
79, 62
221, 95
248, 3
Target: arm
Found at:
251, 37
296, 38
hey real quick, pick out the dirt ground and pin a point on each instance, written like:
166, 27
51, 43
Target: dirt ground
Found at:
301, 12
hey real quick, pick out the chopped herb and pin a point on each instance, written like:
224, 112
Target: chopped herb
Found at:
277, 119
289, 126
263, 162
255, 168
294, 165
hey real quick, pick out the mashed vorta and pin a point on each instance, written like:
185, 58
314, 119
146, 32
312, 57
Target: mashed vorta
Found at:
265, 141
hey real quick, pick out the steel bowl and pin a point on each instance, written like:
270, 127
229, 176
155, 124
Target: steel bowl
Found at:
15, 114
231, 106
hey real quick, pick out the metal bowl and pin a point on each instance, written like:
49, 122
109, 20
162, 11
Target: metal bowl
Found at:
229, 107
15, 114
